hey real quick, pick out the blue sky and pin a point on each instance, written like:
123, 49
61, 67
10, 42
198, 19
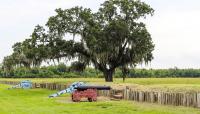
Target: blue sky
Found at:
174, 27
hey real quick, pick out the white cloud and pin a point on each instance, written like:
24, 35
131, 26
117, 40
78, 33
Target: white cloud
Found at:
174, 26
176, 36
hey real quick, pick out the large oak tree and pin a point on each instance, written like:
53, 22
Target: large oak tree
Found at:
112, 37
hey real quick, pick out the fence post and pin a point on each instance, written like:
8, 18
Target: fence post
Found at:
198, 100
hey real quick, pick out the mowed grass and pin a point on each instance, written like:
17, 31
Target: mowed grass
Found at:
142, 81
35, 101
155, 84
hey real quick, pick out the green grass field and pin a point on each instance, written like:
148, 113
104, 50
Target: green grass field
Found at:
142, 81
35, 101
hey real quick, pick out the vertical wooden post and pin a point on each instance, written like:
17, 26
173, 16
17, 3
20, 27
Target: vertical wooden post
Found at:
159, 97
198, 100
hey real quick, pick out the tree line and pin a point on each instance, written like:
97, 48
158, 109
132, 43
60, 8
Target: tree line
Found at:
63, 71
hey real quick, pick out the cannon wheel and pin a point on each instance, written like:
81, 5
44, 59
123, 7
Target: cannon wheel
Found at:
90, 99
75, 99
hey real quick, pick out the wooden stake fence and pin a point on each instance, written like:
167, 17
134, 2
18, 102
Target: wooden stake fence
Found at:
188, 99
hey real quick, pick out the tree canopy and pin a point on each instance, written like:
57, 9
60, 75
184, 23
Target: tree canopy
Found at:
112, 37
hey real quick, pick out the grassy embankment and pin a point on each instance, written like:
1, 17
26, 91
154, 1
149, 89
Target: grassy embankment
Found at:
167, 84
35, 101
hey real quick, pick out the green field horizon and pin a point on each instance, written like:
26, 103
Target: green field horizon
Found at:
154, 84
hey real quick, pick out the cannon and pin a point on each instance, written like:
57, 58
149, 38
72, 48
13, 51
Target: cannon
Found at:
70, 89
25, 84
89, 92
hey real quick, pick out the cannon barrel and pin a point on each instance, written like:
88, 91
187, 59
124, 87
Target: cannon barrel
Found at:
80, 88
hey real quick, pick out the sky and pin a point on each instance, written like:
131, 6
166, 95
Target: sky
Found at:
174, 27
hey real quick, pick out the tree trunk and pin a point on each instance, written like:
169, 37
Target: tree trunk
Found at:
124, 77
109, 75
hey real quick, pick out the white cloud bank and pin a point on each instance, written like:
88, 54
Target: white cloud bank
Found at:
174, 27
175, 31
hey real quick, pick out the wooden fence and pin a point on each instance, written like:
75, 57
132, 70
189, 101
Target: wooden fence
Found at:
50, 86
189, 99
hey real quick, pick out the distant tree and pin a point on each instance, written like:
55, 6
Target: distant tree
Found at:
125, 71
62, 68
77, 66
8, 62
